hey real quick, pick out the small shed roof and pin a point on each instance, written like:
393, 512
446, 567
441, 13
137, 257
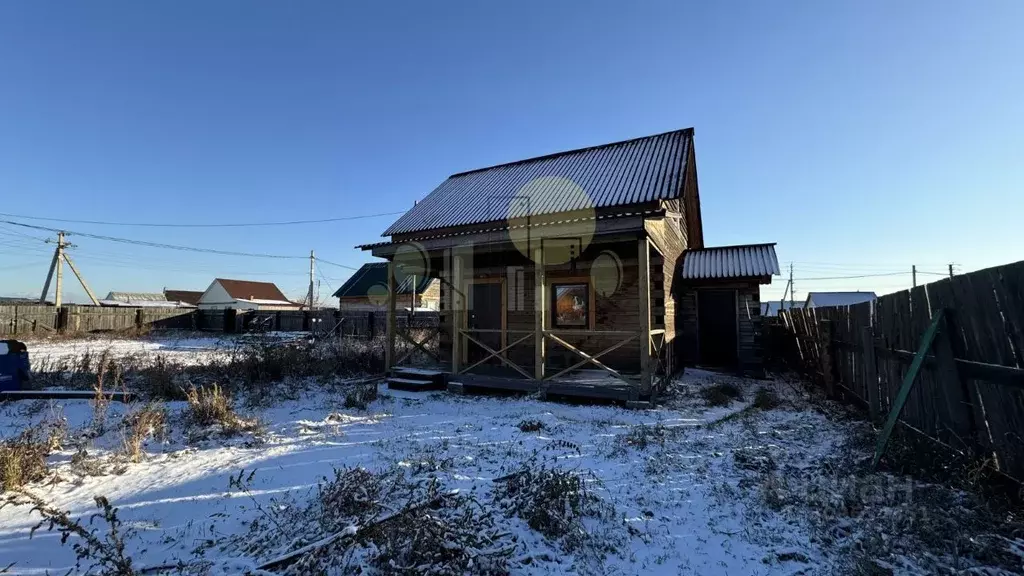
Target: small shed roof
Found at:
826, 299
129, 297
376, 274
186, 296
719, 262
628, 172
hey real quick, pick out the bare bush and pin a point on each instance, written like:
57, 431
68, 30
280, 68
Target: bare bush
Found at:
360, 396
721, 394
158, 381
766, 399
551, 501
530, 426
641, 436
101, 554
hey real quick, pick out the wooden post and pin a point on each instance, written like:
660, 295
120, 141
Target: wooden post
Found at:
825, 350
644, 288
458, 308
390, 352
870, 371
540, 307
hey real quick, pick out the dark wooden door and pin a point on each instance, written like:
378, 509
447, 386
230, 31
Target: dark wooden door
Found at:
716, 325
484, 314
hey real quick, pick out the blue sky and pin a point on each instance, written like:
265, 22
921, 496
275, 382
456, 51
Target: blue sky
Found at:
863, 137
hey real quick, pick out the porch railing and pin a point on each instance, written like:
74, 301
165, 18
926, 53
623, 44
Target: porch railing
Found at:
556, 336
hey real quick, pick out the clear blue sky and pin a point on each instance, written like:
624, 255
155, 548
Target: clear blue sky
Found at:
861, 136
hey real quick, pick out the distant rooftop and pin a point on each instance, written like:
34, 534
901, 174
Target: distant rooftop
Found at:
826, 299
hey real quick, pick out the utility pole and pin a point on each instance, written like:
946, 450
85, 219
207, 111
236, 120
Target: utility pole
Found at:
950, 270
59, 257
913, 271
56, 264
312, 260
792, 288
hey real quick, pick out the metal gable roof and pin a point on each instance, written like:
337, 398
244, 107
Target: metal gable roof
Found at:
628, 172
754, 260
376, 273
826, 299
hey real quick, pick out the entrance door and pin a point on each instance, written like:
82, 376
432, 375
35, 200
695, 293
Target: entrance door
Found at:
484, 314
716, 326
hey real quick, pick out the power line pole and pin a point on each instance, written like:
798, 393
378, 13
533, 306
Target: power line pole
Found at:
312, 261
950, 270
913, 271
792, 287
59, 257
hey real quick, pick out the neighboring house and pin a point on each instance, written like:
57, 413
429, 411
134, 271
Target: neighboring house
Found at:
245, 295
189, 297
772, 307
138, 300
367, 289
591, 254
828, 299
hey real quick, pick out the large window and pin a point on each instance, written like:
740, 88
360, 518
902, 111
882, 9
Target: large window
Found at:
570, 305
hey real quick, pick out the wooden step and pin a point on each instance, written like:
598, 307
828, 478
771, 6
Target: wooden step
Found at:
437, 377
412, 385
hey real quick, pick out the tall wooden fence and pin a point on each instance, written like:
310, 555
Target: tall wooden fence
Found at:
969, 394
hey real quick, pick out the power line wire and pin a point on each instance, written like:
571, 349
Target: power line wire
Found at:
319, 259
155, 244
227, 225
854, 276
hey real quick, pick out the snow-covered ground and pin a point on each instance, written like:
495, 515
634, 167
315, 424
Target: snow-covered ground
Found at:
695, 490
182, 351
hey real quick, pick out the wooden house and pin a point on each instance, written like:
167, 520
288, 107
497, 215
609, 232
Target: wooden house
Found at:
367, 289
567, 274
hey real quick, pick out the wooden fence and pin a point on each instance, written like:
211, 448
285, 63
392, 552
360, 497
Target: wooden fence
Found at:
40, 319
969, 393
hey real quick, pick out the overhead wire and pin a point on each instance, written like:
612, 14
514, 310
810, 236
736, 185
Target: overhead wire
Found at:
156, 244
222, 225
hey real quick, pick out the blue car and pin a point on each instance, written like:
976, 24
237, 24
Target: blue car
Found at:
14, 367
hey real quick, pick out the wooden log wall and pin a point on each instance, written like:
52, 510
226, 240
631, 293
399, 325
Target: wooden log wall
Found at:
969, 394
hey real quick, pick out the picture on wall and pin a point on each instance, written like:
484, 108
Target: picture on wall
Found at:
571, 303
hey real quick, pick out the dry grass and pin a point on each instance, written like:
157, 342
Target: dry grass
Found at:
211, 406
148, 422
23, 458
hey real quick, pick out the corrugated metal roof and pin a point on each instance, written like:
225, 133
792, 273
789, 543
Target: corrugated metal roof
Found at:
825, 299
376, 273
136, 297
628, 172
753, 260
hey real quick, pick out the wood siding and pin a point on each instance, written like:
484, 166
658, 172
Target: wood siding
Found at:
748, 315
615, 310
